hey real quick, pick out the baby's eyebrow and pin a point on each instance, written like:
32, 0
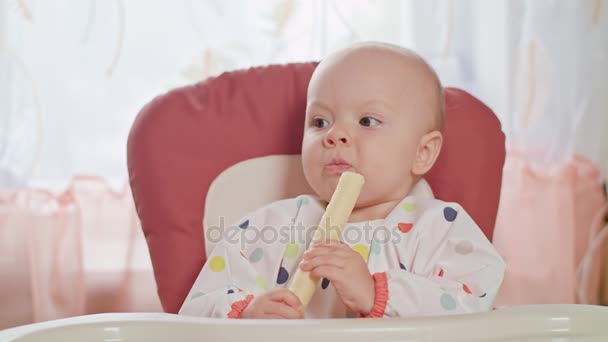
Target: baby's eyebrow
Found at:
319, 104
374, 103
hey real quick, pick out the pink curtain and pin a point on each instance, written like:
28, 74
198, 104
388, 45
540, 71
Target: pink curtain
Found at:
556, 163
75, 253
545, 222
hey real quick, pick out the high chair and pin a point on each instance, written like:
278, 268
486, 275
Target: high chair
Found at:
214, 151
204, 155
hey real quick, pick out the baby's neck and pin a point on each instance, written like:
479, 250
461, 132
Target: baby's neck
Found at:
373, 212
380, 211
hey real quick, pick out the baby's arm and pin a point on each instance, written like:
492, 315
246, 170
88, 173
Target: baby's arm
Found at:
453, 269
237, 270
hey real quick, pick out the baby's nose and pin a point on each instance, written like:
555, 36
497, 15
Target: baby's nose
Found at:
337, 137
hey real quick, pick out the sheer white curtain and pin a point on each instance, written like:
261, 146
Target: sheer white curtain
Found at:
560, 86
73, 75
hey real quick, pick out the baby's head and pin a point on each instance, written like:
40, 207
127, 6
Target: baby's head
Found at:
376, 109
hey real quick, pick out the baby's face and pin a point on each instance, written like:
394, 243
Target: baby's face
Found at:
360, 117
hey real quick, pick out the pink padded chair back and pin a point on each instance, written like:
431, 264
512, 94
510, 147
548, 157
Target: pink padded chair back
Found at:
181, 141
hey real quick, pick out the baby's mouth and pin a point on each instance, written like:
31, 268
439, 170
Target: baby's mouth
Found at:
337, 166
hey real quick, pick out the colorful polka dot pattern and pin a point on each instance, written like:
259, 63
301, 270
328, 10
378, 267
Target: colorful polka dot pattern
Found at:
260, 282
217, 264
282, 276
447, 302
362, 250
291, 251
301, 201
256, 255
375, 247
449, 214
405, 227
409, 207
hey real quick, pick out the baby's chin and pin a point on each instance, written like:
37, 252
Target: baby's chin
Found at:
365, 200
328, 191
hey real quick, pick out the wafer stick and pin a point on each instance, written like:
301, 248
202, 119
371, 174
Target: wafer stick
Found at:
332, 223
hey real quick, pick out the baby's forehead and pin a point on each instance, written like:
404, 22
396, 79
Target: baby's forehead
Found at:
374, 64
369, 76
379, 58
376, 76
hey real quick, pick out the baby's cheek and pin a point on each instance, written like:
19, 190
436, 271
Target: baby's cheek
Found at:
317, 181
375, 162
385, 178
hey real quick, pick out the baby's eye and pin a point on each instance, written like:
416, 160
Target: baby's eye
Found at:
368, 121
320, 123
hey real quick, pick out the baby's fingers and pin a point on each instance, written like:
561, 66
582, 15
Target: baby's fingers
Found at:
282, 310
332, 273
325, 249
288, 297
323, 260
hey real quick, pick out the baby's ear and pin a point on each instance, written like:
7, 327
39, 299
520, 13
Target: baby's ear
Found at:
427, 152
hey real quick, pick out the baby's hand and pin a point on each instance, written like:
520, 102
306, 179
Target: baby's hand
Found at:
276, 303
346, 270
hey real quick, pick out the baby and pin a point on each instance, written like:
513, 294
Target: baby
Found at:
375, 109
